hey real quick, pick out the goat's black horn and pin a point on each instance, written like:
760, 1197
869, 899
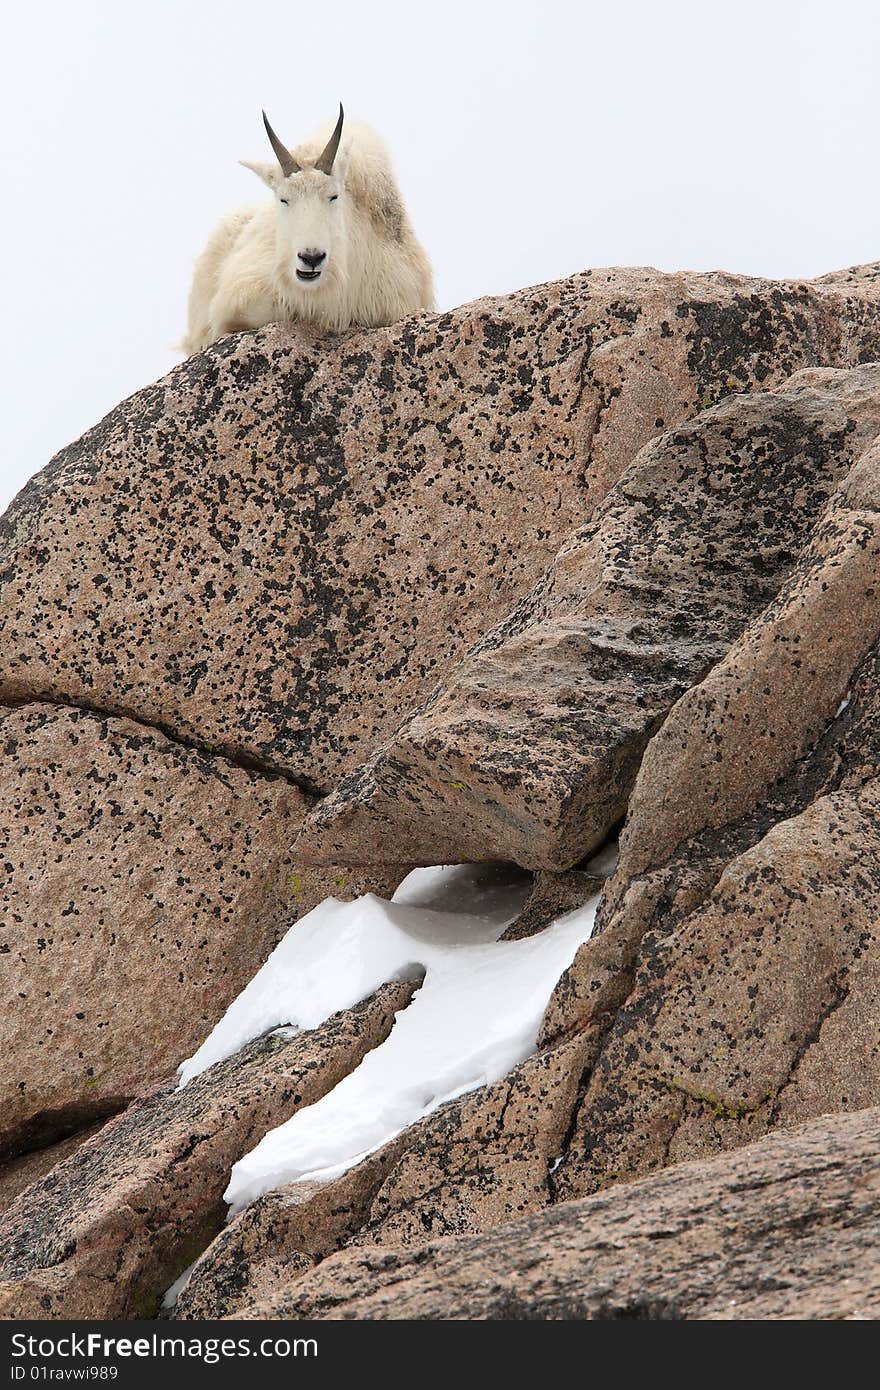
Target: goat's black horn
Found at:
282, 153
325, 163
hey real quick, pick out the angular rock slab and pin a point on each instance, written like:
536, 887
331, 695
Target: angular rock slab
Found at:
282, 1233
741, 927
529, 749
277, 550
108, 1230
781, 1229
142, 884
20, 1172
759, 1008
730, 739
478, 1162
484, 1159
790, 714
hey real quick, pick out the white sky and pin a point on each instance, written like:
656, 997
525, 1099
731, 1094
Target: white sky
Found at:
531, 141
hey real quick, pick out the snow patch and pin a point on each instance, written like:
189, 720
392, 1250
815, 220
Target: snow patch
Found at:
172, 1294
476, 1015
341, 952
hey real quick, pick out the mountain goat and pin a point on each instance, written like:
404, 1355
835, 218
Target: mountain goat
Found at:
334, 249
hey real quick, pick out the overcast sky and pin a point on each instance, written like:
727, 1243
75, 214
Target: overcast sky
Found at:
531, 140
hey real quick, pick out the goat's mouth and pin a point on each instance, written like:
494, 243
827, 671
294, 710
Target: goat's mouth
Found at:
307, 276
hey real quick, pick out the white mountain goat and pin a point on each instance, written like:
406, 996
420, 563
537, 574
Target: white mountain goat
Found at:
335, 249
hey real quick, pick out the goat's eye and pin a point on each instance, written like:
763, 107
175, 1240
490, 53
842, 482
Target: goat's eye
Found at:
284, 201
333, 197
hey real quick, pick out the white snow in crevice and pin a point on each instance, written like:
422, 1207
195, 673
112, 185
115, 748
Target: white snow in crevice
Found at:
844, 704
475, 1016
171, 1295
341, 952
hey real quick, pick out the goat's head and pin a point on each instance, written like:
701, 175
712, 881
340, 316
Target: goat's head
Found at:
310, 203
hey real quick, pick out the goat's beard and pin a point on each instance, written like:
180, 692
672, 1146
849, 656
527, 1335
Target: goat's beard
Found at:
323, 302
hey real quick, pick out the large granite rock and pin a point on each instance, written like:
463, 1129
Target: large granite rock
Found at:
108, 1229
731, 985
758, 1008
529, 748
277, 550
785, 1228
477, 1163
197, 622
741, 928
268, 1244
142, 884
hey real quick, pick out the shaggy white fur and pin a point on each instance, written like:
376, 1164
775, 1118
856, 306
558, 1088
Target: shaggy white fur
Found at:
363, 264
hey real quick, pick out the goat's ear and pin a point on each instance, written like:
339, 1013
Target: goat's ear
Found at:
269, 173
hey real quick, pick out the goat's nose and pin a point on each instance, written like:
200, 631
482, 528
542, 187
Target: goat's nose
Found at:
313, 258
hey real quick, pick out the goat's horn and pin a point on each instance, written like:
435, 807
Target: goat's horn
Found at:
282, 153
325, 163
